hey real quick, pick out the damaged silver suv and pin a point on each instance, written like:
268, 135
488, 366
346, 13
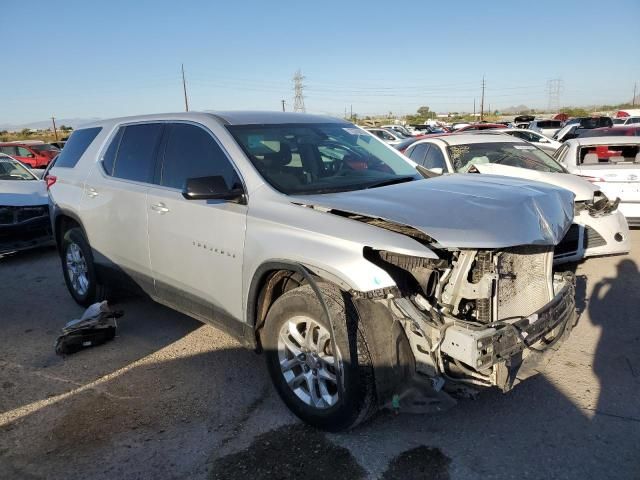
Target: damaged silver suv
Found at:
364, 283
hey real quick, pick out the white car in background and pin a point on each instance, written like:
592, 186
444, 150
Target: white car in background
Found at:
626, 121
599, 228
387, 136
546, 127
538, 139
402, 130
610, 163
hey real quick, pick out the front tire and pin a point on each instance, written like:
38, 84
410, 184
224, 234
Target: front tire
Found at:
303, 366
78, 268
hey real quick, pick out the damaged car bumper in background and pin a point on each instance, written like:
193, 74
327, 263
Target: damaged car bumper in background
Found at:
599, 228
23, 227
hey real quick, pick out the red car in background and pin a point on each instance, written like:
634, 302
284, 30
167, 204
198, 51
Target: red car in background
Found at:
629, 131
36, 155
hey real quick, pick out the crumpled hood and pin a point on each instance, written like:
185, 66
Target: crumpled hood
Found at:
582, 189
465, 210
17, 193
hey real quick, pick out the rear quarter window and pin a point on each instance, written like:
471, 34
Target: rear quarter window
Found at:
76, 146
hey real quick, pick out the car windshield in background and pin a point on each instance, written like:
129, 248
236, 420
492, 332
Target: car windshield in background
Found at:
321, 158
520, 155
12, 170
45, 147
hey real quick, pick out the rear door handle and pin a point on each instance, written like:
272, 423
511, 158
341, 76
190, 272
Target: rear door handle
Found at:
159, 207
92, 192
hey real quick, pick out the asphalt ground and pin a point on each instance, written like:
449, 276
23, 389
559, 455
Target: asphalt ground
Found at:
172, 398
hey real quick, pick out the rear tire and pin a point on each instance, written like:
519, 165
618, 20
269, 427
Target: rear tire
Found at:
78, 268
298, 348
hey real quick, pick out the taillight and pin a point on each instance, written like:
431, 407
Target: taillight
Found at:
50, 179
592, 179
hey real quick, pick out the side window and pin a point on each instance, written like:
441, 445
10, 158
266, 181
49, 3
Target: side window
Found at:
109, 157
75, 147
435, 159
137, 152
561, 153
25, 152
13, 151
386, 136
418, 153
192, 152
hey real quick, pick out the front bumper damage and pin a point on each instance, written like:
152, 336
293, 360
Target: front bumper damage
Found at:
430, 355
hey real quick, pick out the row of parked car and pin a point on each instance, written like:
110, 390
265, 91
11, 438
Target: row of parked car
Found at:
367, 276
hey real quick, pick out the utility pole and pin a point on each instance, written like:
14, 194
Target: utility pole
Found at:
482, 99
282, 104
298, 98
55, 130
633, 101
184, 89
351, 117
474, 107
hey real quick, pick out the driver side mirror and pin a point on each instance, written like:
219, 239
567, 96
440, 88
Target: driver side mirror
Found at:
542, 140
212, 188
437, 170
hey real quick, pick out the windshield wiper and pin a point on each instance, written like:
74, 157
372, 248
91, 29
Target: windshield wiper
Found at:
392, 181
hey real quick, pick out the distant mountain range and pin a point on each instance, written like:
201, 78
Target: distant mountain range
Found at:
44, 124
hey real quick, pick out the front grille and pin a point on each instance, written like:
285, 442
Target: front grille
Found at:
592, 239
13, 215
570, 242
524, 284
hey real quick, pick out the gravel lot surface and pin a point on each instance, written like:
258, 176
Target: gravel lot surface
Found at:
171, 398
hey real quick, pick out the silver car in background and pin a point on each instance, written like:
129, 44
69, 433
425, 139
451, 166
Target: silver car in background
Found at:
364, 283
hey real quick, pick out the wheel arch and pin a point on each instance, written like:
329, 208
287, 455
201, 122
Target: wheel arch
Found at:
62, 221
274, 278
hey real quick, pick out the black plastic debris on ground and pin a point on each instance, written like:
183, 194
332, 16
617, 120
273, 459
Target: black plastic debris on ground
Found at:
289, 452
96, 326
419, 463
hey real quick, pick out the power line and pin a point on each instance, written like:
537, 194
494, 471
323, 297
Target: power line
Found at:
298, 98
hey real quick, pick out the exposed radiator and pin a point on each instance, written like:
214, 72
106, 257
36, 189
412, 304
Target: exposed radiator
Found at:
526, 280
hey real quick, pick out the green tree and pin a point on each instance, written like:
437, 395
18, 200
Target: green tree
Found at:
25, 132
424, 112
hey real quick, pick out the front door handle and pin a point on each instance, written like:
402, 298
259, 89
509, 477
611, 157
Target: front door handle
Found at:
159, 207
92, 192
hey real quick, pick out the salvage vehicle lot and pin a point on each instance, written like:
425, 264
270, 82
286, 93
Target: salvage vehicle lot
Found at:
172, 397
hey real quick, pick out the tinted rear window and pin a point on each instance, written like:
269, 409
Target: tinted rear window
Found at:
137, 152
549, 124
76, 146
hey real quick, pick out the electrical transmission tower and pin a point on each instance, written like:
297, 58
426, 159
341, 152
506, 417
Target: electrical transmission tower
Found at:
554, 89
298, 97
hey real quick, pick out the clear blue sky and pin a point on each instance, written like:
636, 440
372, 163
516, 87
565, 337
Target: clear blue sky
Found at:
109, 58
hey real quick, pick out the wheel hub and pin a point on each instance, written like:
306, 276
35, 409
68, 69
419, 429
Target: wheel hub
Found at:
307, 362
77, 269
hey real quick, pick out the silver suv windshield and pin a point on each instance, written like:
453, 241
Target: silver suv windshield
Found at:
298, 159
521, 155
